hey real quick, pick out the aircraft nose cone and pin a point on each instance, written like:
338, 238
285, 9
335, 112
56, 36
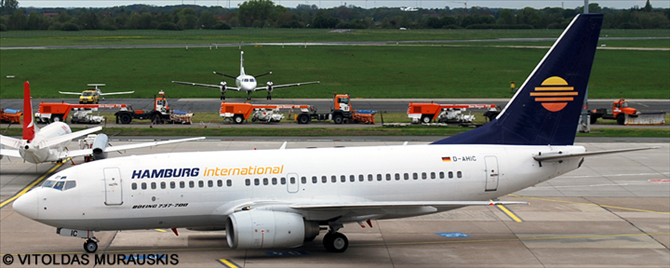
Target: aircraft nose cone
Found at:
26, 204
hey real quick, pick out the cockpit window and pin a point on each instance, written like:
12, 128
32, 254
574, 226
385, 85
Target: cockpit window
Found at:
59, 185
251, 80
246, 80
69, 185
49, 184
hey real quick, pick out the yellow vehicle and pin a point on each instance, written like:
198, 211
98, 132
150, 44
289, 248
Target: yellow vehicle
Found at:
89, 96
93, 95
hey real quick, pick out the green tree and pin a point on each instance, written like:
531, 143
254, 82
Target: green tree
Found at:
8, 6
255, 10
187, 19
17, 21
207, 20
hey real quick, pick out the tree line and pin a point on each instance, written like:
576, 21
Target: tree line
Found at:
266, 14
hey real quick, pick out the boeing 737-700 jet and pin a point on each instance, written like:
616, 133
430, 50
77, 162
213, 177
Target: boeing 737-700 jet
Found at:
48, 143
245, 82
280, 198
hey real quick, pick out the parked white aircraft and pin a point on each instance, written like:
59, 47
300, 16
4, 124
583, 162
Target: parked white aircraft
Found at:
93, 95
245, 82
280, 198
48, 144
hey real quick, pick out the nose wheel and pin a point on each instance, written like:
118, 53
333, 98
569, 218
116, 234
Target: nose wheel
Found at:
90, 246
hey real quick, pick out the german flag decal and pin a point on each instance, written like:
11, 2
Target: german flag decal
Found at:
446, 159
554, 94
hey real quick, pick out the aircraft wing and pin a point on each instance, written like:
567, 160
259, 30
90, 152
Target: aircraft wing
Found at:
81, 152
400, 204
557, 156
148, 144
205, 85
67, 137
117, 93
69, 93
286, 85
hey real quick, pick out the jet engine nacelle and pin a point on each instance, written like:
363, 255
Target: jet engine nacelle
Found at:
258, 229
270, 86
99, 145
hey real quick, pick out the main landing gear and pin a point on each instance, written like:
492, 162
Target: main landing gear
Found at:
334, 241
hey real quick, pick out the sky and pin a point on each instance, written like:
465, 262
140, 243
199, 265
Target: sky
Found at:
516, 4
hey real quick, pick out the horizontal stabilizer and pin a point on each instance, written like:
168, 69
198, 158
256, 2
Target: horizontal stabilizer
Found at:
12, 153
10, 142
556, 156
67, 137
69, 93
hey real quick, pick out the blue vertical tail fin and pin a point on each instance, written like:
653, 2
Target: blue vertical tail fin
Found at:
546, 108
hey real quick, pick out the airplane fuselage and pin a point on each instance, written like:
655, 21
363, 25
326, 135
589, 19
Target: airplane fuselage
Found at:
33, 152
185, 191
246, 82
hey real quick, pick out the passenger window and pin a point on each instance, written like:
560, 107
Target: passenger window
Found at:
132, 186
343, 178
315, 179
441, 174
388, 176
451, 174
370, 177
229, 183
257, 182
210, 183
144, 186
153, 185
191, 184
201, 184
303, 180
324, 179
274, 181
182, 184
406, 176
397, 176
415, 176
424, 175
432, 175
265, 181
219, 183
163, 185
292, 180
283, 181
459, 174
247, 182
69, 185
361, 177
333, 179
352, 178
172, 185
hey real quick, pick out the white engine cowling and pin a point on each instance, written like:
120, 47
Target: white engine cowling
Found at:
258, 229
99, 145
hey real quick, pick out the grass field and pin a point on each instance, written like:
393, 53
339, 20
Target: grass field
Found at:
362, 71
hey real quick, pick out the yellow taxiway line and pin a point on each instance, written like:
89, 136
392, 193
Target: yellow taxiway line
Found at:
30, 186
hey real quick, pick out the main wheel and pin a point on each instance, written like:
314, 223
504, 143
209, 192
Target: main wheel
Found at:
335, 242
156, 119
125, 119
593, 119
338, 119
90, 246
426, 119
238, 119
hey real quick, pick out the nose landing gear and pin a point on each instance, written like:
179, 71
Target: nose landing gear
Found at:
91, 245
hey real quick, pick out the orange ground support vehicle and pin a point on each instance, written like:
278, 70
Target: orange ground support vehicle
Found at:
341, 112
10, 116
239, 112
52, 112
446, 113
619, 111
159, 115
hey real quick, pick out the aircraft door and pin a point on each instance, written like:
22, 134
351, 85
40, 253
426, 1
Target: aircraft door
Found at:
492, 173
113, 187
293, 183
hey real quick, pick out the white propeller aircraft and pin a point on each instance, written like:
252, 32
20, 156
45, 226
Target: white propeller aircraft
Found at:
48, 144
93, 95
281, 198
245, 82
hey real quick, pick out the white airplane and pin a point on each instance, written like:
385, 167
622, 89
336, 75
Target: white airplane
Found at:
245, 82
93, 95
281, 198
48, 144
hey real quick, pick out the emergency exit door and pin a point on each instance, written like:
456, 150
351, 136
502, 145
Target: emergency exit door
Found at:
113, 187
492, 173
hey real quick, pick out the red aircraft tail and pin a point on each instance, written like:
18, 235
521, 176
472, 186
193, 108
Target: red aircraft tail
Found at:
28, 119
